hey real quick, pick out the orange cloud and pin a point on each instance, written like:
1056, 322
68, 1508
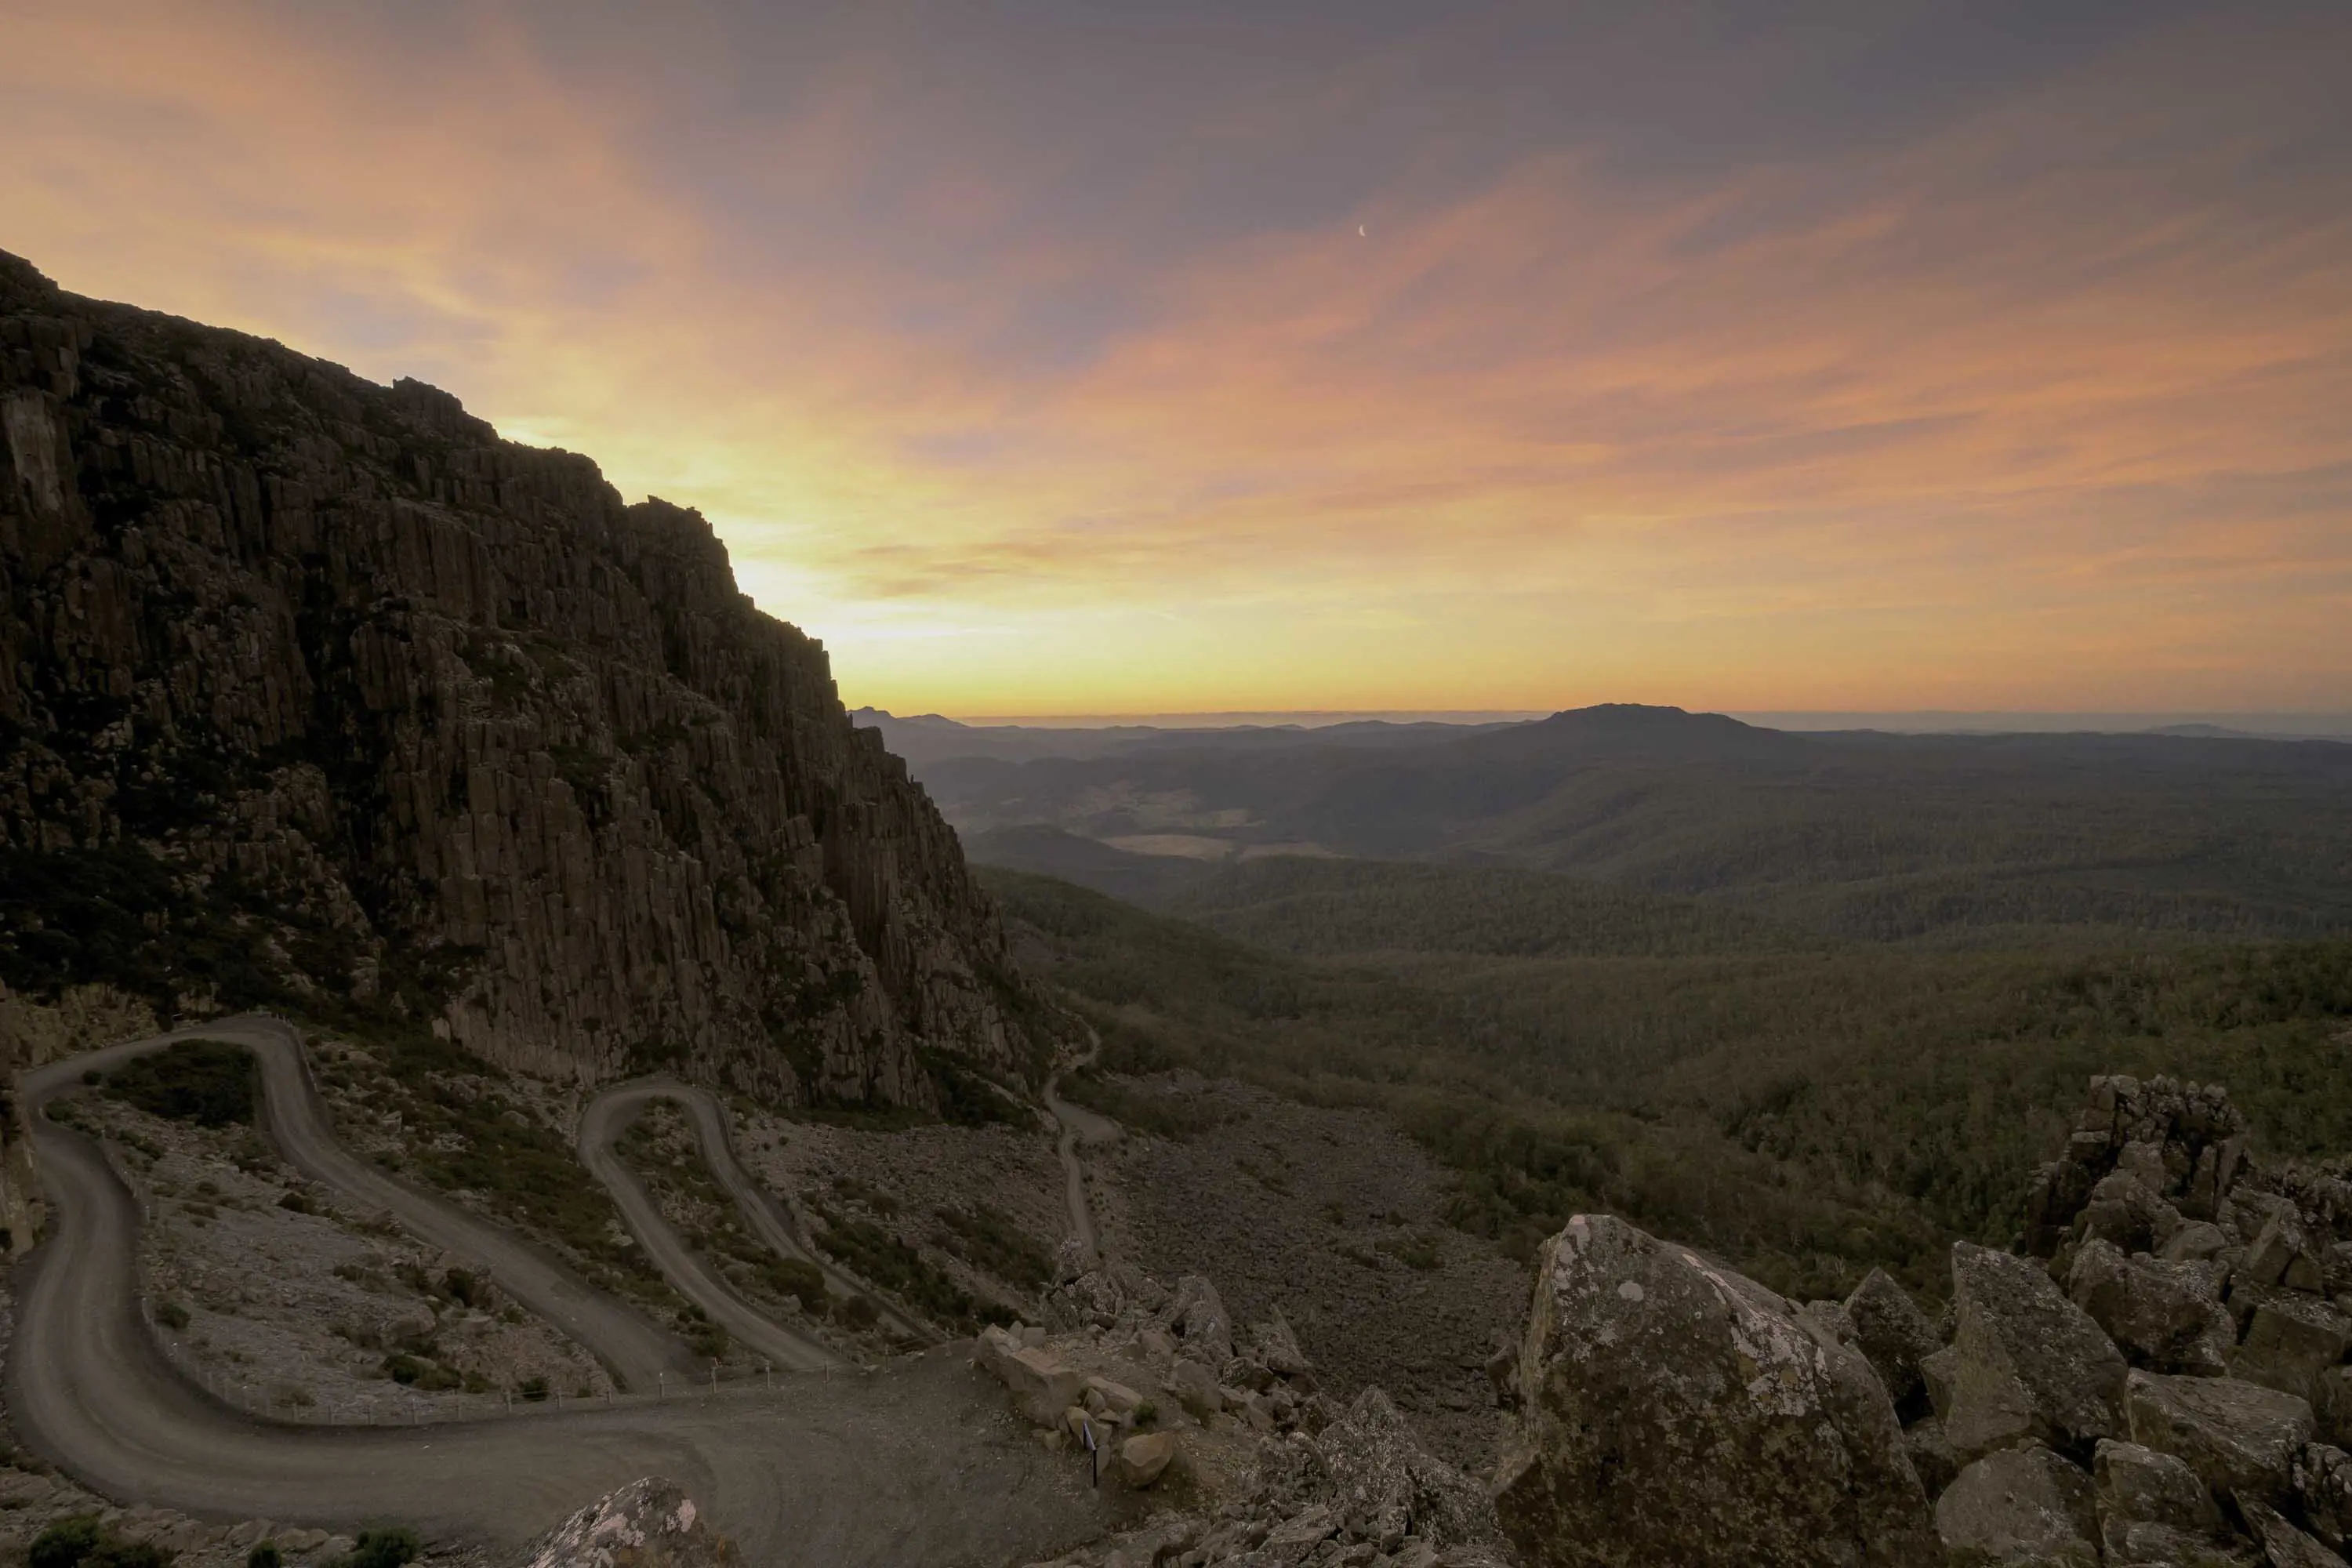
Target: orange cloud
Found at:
2052, 406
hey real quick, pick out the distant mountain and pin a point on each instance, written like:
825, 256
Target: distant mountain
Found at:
1853, 834
927, 739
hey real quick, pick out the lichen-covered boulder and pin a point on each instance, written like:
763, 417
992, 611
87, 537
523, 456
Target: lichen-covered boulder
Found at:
2168, 1317
2029, 1362
648, 1523
2023, 1505
1670, 1411
2238, 1437
2153, 1508
2289, 1339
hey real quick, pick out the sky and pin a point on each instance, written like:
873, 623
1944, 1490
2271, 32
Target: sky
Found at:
1106, 358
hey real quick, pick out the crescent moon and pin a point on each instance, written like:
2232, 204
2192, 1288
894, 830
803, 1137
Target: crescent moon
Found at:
1360, 232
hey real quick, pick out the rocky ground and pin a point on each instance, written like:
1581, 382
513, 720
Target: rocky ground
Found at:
660, 1147
272, 1295
1221, 1439
1334, 1217
982, 1208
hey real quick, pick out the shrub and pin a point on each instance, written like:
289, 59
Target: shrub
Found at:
172, 1315
264, 1554
205, 1082
799, 1278
533, 1388
386, 1546
80, 1542
65, 1543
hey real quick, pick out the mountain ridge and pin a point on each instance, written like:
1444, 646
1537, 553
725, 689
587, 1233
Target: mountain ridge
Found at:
317, 692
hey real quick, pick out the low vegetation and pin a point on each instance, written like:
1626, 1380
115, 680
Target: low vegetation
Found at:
207, 1082
81, 1541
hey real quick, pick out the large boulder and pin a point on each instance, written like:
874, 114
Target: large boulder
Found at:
2165, 1316
2028, 1363
2024, 1505
1890, 1328
1042, 1385
649, 1523
2153, 1508
1670, 1411
2238, 1437
2289, 1339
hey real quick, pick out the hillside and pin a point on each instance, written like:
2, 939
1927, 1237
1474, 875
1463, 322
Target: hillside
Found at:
316, 693
1969, 839
1808, 1114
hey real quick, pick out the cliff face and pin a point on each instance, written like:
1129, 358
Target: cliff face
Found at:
311, 688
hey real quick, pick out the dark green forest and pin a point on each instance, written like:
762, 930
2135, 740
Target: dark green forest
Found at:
1806, 1107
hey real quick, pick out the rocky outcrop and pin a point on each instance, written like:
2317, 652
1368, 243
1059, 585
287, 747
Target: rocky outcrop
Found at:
1668, 1410
1272, 1472
315, 692
649, 1523
2182, 1401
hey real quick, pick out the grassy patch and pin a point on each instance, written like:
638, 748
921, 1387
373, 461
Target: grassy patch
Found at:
883, 1260
989, 1241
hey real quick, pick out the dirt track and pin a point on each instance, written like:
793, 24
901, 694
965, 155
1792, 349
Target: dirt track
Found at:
916, 1463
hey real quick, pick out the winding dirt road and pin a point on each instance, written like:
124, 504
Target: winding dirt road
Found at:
918, 1464
1079, 1126
600, 1132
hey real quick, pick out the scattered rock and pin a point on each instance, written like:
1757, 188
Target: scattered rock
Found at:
2323, 1492
1198, 1321
2283, 1543
1672, 1410
649, 1523
1384, 1485
1142, 1459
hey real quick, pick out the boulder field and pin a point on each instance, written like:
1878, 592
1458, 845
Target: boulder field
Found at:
2158, 1379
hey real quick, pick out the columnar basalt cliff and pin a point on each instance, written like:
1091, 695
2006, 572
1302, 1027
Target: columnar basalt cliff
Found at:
317, 688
